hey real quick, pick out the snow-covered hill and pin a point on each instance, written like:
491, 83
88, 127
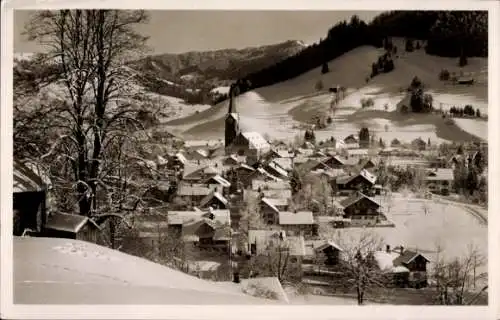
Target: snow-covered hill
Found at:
278, 109
64, 271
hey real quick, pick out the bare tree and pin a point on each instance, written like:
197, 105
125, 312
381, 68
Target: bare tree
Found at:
359, 267
456, 278
276, 261
91, 124
315, 193
250, 217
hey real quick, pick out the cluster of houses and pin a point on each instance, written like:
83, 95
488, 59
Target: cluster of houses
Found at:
210, 181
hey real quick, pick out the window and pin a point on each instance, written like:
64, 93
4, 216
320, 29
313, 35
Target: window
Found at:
293, 260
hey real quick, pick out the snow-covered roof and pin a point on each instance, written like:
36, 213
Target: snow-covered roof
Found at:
182, 217
209, 197
276, 167
104, 272
220, 180
255, 140
67, 222
295, 218
273, 185
385, 259
354, 198
25, 179
285, 163
193, 190
267, 175
326, 244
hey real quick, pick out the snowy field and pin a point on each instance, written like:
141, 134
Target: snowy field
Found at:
423, 224
278, 110
64, 271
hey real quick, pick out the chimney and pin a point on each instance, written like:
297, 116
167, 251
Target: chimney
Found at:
388, 248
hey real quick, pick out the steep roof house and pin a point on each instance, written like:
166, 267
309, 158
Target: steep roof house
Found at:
351, 139
271, 207
29, 199
297, 223
439, 178
359, 207
361, 180
407, 267
71, 226
214, 200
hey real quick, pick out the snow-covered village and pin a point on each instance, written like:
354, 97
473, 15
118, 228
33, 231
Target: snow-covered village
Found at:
350, 169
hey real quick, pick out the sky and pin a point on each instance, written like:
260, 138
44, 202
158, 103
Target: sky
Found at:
183, 31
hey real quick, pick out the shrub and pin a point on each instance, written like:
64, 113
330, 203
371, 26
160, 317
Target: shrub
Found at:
409, 45
478, 113
416, 83
469, 110
324, 68
319, 85
404, 109
329, 120
462, 61
444, 75
388, 66
367, 102
417, 46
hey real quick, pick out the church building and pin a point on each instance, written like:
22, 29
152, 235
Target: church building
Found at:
244, 143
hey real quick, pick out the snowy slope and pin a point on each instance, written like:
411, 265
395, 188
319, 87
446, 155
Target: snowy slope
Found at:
63, 271
278, 109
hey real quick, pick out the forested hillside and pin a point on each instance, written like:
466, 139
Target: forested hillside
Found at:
446, 33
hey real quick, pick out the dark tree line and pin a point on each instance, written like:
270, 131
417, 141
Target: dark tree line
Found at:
446, 33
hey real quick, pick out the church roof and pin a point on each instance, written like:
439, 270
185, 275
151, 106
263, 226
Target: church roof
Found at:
255, 140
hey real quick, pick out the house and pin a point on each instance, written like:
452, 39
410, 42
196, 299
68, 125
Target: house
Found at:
153, 227
29, 199
232, 160
71, 226
274, 169
197, 144
439, 180
360, 209
368, 163
214, 200
261, 185
335, 162
324, 252
219, 184
363, 180
261, 174
193, 193
357, 153
271, 207
198, 173
336, 221
202, 229
405, 267
297, 223
275, 243
416, 263
351, 139
419, 144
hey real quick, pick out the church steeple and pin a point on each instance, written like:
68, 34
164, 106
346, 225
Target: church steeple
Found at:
232, 118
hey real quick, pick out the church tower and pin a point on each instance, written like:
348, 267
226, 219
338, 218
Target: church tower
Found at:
232, 126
